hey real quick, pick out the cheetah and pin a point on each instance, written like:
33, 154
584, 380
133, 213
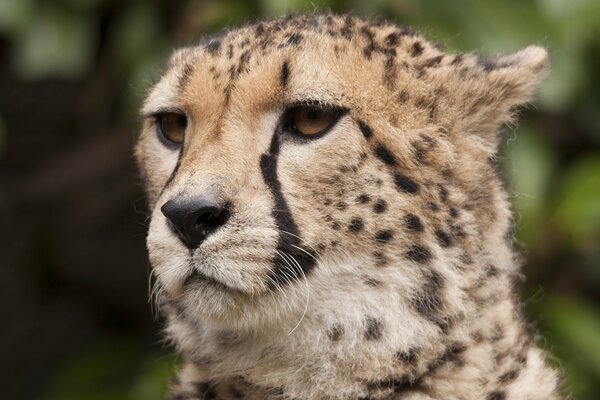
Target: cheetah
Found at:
327, 219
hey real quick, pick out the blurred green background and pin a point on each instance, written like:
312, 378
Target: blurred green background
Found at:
73, 276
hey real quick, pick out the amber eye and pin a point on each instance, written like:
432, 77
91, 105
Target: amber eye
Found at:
170, 127
312, 120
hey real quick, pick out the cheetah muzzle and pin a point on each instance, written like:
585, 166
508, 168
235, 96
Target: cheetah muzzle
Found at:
327, 220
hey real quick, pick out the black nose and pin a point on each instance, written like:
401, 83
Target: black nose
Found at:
194, 220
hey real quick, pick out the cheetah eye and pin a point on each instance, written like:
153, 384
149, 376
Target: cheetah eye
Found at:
170, 127
311, 121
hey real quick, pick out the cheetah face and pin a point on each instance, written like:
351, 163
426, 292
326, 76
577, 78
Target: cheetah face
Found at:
320, 153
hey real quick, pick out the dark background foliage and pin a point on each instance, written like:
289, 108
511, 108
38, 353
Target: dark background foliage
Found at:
73, 269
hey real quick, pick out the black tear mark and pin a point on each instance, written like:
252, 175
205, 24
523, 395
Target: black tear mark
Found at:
365, 129
385, 155
175, 170
284, 75
405, 184
374, 329
291, 261
419, 253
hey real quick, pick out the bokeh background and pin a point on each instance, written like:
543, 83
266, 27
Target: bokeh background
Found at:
76, 323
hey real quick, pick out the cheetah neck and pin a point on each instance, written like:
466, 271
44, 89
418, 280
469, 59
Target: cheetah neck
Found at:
476, 355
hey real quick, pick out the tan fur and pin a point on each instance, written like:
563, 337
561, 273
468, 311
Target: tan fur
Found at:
411, 300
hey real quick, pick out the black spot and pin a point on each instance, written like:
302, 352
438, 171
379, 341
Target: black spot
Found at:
380, 206
413, 223
416, 49
491, 271
363, 198
236, 393
243, 62
365, 129
443, 238
213, 46
356, 225
186, 74
457, 59
341, 205
432, 62
418, 253
452, 354
403, 96
428, 300
443, 192
294, 39
392, 39
391, 72
384, 236
335, 226
335, 332
347, 28
372, 282
496, 395
453, 212
406, 184
380, 259
374, 329
509, 376
408, 357
383, 153
284, 75
408, 31
432, 206
204, 390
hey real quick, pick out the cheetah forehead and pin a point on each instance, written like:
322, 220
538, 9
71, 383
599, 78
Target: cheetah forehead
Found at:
370, 65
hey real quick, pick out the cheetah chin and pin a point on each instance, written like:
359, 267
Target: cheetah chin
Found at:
327, 219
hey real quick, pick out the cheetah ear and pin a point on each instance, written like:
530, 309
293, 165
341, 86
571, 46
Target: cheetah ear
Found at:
508, 82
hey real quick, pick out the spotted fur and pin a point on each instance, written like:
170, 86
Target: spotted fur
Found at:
369, 263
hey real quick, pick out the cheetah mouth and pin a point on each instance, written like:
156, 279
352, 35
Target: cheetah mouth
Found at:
198, 278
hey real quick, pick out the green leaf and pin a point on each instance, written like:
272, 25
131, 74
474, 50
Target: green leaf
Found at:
572, 329
58, 44
529, 164
577, 207
16, 16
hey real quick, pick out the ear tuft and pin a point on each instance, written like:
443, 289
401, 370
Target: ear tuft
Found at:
495, 88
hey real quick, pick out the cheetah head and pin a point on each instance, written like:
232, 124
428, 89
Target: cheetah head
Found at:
322, 157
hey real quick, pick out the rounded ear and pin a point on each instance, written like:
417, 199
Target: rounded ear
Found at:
489, 90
